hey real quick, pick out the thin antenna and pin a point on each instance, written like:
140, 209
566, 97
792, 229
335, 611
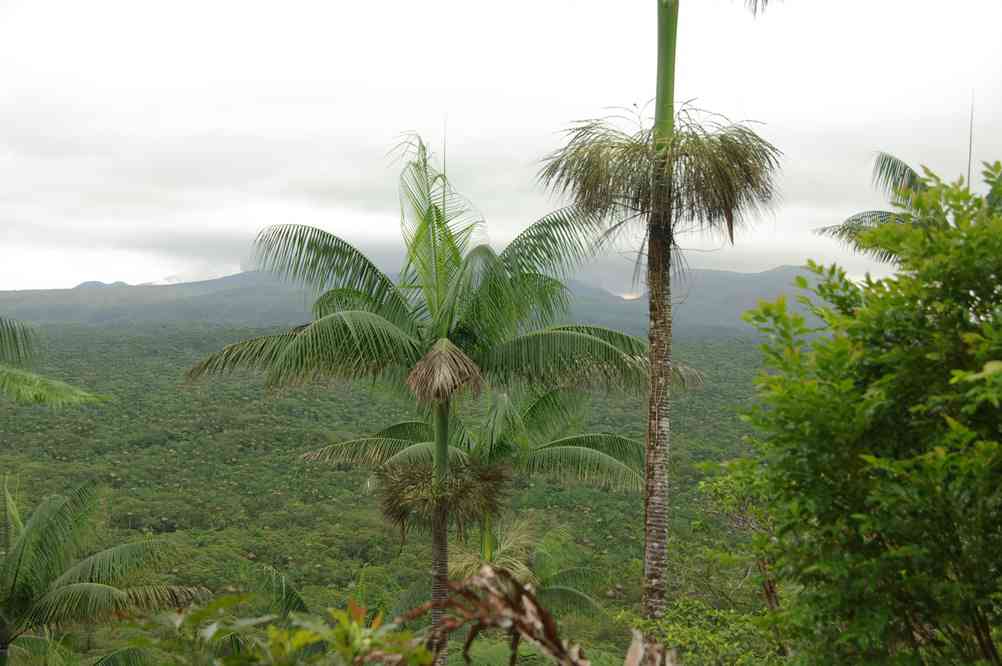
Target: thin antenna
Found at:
970, 144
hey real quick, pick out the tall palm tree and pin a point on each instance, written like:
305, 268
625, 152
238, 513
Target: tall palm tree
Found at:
17, 345
43, 584
676, 176
460, 314
900, 182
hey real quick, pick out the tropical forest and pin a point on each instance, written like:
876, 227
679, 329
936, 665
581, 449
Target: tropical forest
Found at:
417, 436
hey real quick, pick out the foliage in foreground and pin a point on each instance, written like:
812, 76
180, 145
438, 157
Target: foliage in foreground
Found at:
882, 444
17, 345
487, 602
44, 584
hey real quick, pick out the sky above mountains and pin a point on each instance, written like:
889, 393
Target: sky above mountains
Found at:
142, 139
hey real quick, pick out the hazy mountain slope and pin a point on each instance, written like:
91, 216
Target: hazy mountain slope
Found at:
708, 303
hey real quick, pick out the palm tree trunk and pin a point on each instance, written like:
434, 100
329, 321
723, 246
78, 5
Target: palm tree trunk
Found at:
440, 529
487, 542
659, 248
658, 422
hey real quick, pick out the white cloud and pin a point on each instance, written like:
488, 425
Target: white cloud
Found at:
140, 138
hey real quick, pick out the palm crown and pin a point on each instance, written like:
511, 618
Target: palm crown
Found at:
460, 314
43, 584
528, 432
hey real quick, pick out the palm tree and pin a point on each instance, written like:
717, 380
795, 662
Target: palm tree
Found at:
531, 560
460, 314
43, 585
17, 345
900, 182
676, 176
527, 432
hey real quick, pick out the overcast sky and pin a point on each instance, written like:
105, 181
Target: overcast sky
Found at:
142, 139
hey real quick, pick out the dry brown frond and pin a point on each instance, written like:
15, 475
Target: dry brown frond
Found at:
493, 599
442, 372
409, 496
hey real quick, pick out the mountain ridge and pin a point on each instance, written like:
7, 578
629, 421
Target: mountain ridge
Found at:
708, 302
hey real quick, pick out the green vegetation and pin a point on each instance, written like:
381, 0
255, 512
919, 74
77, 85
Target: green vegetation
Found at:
17, 345
43, 584
862, 525
461, 316
882, 444
215, 470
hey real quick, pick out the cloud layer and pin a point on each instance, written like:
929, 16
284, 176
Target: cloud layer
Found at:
141, 139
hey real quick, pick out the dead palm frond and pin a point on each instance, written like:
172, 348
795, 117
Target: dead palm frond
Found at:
443, 372
410, 496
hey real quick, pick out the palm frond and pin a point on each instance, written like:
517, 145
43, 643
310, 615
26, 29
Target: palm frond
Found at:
129, 656
556, 244
715, 173
565, 598
684, 376
260, 353
349, 344
438, 224
17, 341
320, 260
12, 526
390, 305
594, 457
48, 543
442, 372
515, 541
280, 595
550, 412
43, 649
558, 356
850, 232
895, 178
415, 431
424, 452
28, 387
112, 565
83, 602
502, 424
506, 302
361, 451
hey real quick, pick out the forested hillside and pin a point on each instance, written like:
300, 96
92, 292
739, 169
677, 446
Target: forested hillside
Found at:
216, 468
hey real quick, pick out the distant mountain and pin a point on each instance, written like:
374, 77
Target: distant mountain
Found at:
708, 303
94, 284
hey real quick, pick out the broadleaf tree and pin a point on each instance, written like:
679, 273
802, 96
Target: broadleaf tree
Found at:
882, 443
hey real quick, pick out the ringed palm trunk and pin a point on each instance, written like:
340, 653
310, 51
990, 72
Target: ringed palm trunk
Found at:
440, 529
660, 240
